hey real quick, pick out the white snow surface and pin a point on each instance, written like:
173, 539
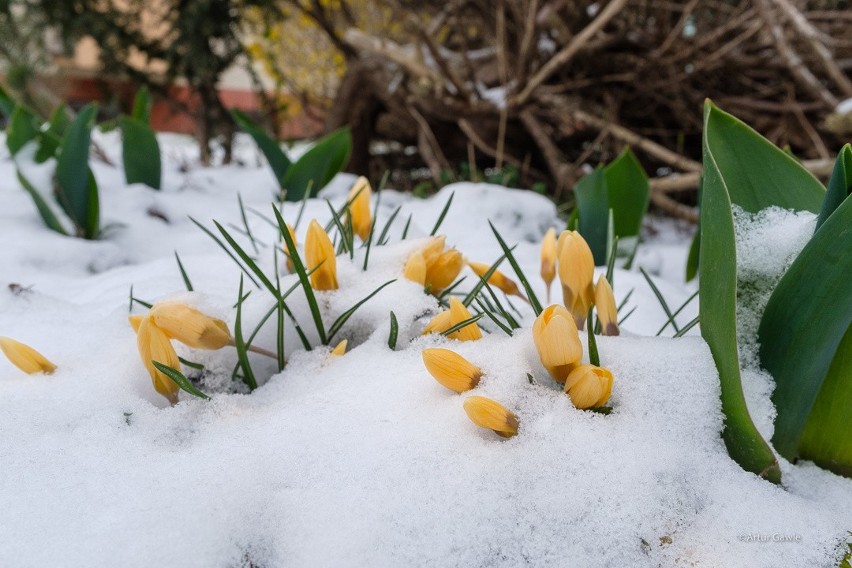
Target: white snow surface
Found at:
360, 460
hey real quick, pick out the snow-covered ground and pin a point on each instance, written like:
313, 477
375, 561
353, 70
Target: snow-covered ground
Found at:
361, 460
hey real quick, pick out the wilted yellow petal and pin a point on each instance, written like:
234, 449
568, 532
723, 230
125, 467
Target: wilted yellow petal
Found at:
490, 414
154, 345
589, 386
451, 369
548, 259
576, 273
557, 341
190, 326
340, 348
359, 208
497, 279
605, 305
25, 357
443, 270
319, 252
415, 268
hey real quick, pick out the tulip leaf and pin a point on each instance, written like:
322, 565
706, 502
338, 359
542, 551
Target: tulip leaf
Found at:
77, 191
23, 127
717, 272
140, 153
276, 157
628, 193
692, 259
44, 210
839, 185
593, 208
801, 334
180, 380
52, 137
318, 166
142, 106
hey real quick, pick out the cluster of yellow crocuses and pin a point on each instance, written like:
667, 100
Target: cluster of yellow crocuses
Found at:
555, 334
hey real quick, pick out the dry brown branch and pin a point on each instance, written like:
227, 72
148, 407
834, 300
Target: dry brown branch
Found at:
674, 208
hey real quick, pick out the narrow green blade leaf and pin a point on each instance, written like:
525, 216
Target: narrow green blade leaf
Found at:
180, 380
240, 344
344, 317
44, 210
394, 331
443, 215
276, 157
839, 185
463, 324
593, 207
536, 306
183, 273
594, 357
140, 153
319, 165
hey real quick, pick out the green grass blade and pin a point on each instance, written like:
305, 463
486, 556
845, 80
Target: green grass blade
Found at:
594, 356
240, 344
627, 315
463, 324
507, 330
536, 306
383, 236
222, 245
180, 380
405, 229
246, 223
688, 326
187, 282
677, 312
660, 298
250, 263
443, 214
483, 280
342, 319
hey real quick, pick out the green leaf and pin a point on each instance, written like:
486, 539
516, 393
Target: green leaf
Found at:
534, 303
628, 193
594, 357
76, 189
180, 380
694, 255
344, 317
276, 157
47, 214
718, 273
443, 214
394, 331
142, 106
52, 137
140, 153
803, 326
318, 165
593, 207
839, 185
240, 343
7, 104
22, 127
187, 282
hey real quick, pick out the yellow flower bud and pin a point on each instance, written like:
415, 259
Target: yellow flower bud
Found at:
451, 317
359, 208
434, 249
319, 251
605, 305
135, 321
557, 341
340, 348
25, 357
443, 270
189, 326
497, 279
589, 386
154, 345
451, 369
576, 273
548, 259
287, 250
490, 414
415, 268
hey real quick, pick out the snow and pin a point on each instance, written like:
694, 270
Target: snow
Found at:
364, 460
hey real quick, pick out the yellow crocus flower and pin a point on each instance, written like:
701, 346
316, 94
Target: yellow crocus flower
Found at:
135, 320
319, 252
490, 414
589, 386
497, 279
25, 357
451, 317
576, 273
154, 345
548, 259
340, 348
451, 369
605, 306
415, 268
359, 208
441, 272
190, 326
558, 342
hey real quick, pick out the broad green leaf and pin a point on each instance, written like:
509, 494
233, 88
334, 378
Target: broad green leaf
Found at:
73, 176
318, 165
694, 255
628, 192
757, 173
839, 185
52, 137
805, 320
277, 159
142, 106
47, 214
593, 207
140, 152
22, 127
718, 300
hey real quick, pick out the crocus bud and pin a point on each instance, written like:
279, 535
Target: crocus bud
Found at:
576, 273
497, 279
415, 268
190, 326
359, 208
25, 357
548, 259
154, 345
589, 386
557, 341
286, 249
451, 369
605, 306
441, 272
452, 317
340, 348
490, 414
319, 252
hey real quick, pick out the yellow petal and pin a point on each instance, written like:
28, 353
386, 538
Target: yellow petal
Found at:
497, 279
359, 208
25, 357
576, 273
490, 414
415, 268
589, 386
190, 326
135, 321
548, 256
319, 252
451, 369
557, 341
433, 249
458, 314
286, 249
443, 270
440, 323
154, 345
605, 306
340, 348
